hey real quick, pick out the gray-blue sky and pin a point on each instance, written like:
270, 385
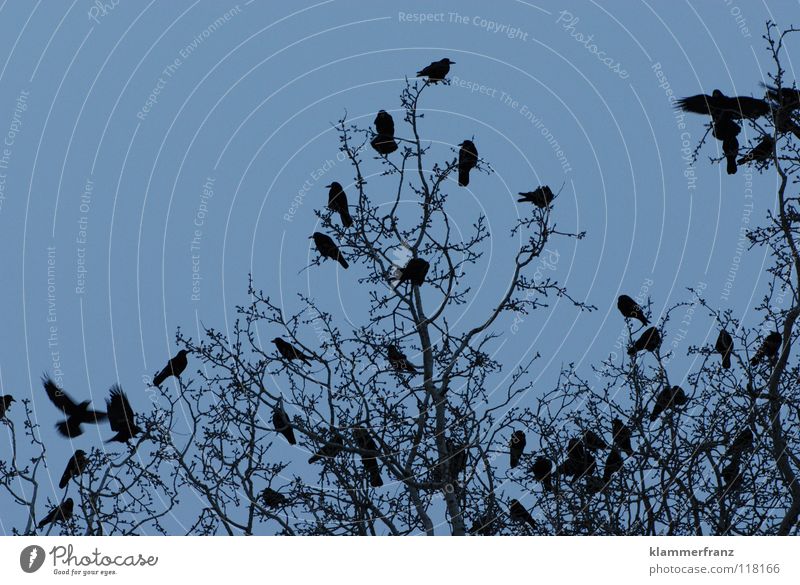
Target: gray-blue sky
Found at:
247, 107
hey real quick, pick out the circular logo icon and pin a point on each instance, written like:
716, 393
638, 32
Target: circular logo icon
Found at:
31, 558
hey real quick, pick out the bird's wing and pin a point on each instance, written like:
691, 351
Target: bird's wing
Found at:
697, 104
58, 397
120, 413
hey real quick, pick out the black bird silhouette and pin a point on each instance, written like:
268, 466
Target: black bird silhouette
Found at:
593, 441
77, 414
718, 103
760, 152
365, 442
384, 142
467, 160
630, 309
415, 271
520, 514
650, 340
516, 447
327, 248
614, 463
669, 397
579, 462
61, 513
174, 367
399, 361
121, 416
785, 97
337, 202
273, 498
437, 70
621, 436
330, 449
726, 131
5, 403
724, 347
541, 196
457, 454
290, 352
731, 475
483, 525
769, 348
75, 466
542, 469
741, 443
282, 424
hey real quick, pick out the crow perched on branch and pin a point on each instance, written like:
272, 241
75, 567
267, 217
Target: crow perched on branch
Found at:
77, 414
436, 71
289, 352
630, 309
650, 341
330, 449
327, 248
174, 367
516, 447
669, 397
541, 197
621, 436
742, 443
467, 160
337, 202
542, 469
579, 462
365, 442
383, 142
273, 498
61, 513
769, 348
593, 441
5, 402
121, 416
415, 271
75, 466
614, 463
519, 513
282, 424
399, 361
724, 347
760, 152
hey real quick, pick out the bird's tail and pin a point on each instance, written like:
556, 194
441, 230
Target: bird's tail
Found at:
347, 219
463, 177
64, 480
726, 360
643, 319
314, 458
731, 164
342, 261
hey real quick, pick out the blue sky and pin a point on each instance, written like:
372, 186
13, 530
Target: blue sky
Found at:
155, 157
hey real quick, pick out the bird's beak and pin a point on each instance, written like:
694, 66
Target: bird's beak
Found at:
328, 186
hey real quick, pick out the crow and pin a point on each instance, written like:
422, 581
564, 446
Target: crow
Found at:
519, 514
415, 271
760, 152
330, 449
75, 466
174, 367
719, 104
542, 469
365, 442
621, 436
467, 160
516, 447
458, 458
649, 341
282, 424
337, 201
614, 463
593, 441
669, 397
273, 498
290, 352
785, 97
77, 414
732, 476
399, 361
541, 197
630, 309
436, 71
726, 130
769, 348
383, 142
61, 513
327, 248
5, 403
741, 443
121, 416
579, 463
724, 347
